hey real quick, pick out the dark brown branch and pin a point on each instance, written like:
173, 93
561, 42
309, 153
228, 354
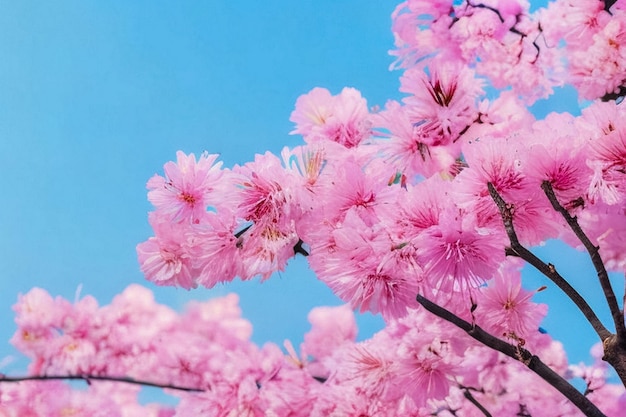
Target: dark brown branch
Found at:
519, 354
506, 211
299, 248
608, 4
468, 395
242, 231
596, 259
88, 378
616, 96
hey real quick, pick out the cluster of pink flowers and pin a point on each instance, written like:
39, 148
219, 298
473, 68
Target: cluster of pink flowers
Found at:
577, 42
379, 225
386, 204
389, 203
416, 366
594, 40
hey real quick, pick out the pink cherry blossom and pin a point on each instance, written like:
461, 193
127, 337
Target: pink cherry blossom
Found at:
343, 118
407, 149
506, 309
385, 205
456, 255
185, 192
442, 103
331, 327
165, 258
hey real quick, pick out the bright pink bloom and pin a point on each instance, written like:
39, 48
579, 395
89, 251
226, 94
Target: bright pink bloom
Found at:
343, 118
608, 160
217, 249
185, 192
500, 162
407, 148
600, 69
442, 104
266, 249
350, 188
312, 111
349, 262
421, 29
165, 259
420, 207
456, 255
557, 153
331, 327
266, 192
426, 363
372, 365
505, 309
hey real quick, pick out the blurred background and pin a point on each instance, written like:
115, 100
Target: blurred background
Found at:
96, 96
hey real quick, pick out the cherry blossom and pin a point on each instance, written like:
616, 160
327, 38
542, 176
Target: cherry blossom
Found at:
423, 211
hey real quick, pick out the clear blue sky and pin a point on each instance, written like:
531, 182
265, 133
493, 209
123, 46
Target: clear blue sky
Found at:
96, 96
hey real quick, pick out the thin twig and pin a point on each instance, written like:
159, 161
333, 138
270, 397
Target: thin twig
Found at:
519, 354
88, 378
468, 395
596, 259
546, 269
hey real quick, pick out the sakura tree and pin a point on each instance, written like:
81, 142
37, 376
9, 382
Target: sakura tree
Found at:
423, 211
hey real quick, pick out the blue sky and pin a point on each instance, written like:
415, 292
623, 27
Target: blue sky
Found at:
96, 96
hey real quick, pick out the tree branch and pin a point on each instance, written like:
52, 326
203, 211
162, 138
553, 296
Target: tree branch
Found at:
506, 211
596, 259
519, 354
88, 378
608, 4
468, 395
615, 96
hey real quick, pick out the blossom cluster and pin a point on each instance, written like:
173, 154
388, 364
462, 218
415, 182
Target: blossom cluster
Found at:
575, 42
392, 202
385, 203
416, 366
406, 210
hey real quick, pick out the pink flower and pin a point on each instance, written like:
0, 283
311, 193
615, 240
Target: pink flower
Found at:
165, 259
372, 365
407, 148
505, 309
500, 162
442, 104
425, 369
349, 188
350, 262
216, 252
266, 249
266, 192
608, 160
312, 111
343, 118
419, 207
600, 68
456, 256
331, 327
421, 29
185, 192
557, 153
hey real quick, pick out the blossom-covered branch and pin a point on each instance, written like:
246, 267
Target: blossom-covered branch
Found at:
596, 259
88, 378
385, 203
549, 270
518, 353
